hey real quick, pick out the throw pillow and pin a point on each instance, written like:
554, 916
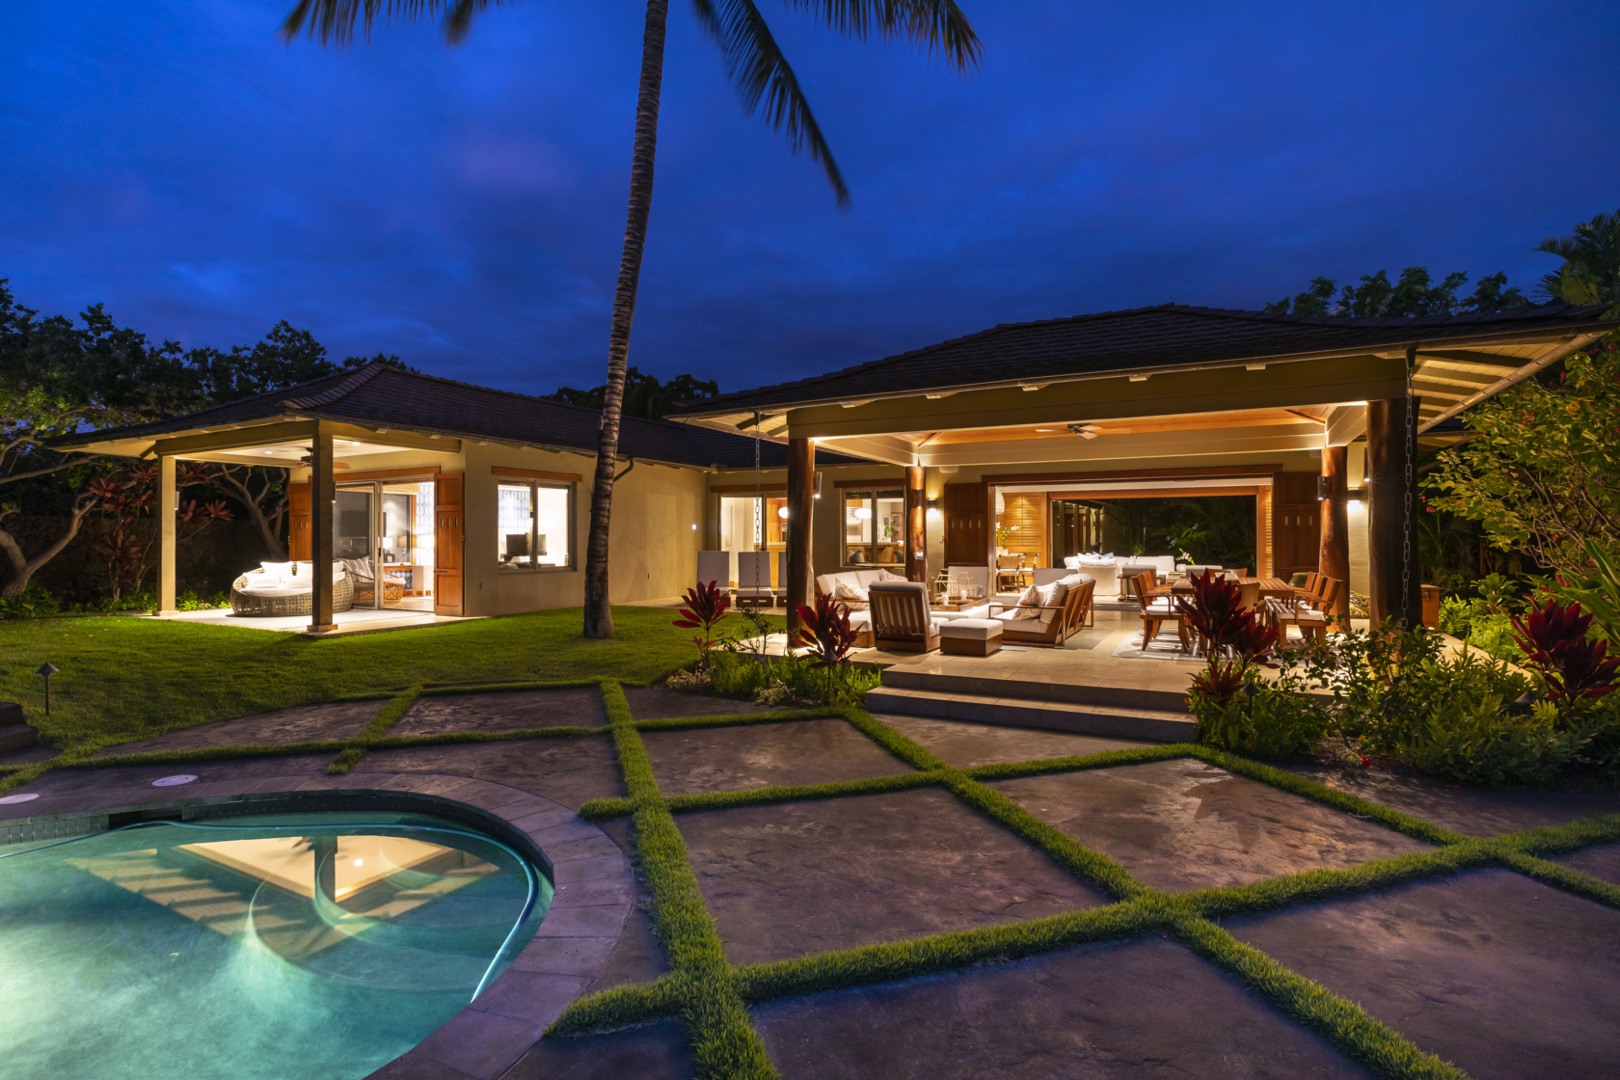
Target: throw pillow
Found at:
850, 591
1052, 595
1029, 604
276, 572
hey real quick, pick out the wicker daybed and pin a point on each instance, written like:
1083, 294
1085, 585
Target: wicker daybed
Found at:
266, 593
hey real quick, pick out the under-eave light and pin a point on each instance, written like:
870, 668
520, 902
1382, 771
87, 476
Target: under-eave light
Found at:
1137, 378
1353, 505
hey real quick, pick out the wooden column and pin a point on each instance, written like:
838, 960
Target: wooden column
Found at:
1334, 561
916, 525
322, 493
801, 496
168, 527
1389, 526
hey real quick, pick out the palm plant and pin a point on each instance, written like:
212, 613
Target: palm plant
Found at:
768, 87
1591, 270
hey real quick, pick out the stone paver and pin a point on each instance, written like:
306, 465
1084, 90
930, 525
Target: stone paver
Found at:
65, 791
1504, 976
1185, 825
1477, 811
654, 1052
660, 703
570, 770
302, 723
761, 755
964, 745
505, 711
1143, 1009
808, 877
1601, 862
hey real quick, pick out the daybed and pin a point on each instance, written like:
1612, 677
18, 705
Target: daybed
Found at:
285, 589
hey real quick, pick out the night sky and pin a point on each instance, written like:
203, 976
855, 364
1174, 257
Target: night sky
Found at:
463, 207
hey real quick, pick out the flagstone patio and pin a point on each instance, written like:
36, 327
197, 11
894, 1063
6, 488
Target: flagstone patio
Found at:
1503, 968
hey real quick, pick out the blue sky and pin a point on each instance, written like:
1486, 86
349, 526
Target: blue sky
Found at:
463, 207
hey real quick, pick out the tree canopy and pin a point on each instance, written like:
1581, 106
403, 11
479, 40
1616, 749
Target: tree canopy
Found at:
1415, 293
644, 395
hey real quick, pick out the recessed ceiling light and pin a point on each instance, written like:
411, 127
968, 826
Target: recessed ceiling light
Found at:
269, 451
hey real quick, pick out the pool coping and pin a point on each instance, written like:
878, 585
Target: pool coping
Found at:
592, 878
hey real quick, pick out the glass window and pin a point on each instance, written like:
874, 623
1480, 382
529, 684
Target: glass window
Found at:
874, 527
533, 528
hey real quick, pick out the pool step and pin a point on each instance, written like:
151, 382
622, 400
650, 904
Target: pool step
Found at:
1155, 725
1169, 696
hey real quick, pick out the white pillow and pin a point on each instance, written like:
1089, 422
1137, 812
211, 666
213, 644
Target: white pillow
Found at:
277, 570
1029, 604
1052, 595
302, 575
850, 591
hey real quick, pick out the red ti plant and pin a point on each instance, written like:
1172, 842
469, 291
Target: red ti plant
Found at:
1235, 636
706, 605
1553, 638
825, 630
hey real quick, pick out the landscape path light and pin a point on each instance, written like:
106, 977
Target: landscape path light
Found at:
47, 670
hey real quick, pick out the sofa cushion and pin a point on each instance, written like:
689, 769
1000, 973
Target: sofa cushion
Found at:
972, 629
276, 571
851, 590
302, 576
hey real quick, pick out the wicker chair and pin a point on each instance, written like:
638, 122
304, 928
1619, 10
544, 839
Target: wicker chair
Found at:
245, 602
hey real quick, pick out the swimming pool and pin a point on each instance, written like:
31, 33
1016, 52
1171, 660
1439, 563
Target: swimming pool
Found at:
288, 945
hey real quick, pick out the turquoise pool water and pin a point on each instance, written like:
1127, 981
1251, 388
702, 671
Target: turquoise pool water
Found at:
314, 946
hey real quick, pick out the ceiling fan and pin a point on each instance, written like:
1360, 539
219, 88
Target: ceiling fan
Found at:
1083, 428
309, 461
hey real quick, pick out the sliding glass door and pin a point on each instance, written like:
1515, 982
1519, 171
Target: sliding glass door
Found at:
382, 531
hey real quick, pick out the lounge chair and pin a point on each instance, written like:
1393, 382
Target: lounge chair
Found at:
1047, 575
754, 578
714, 566
1054, 622
901, 619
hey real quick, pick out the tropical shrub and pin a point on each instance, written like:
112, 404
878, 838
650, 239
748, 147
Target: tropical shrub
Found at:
706, 604
1484, 741
787, 680
1555, 639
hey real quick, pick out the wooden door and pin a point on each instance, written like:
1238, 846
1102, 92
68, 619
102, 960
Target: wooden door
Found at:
299, 546
967, 525
448, 539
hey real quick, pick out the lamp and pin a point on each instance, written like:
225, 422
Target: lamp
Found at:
403, 541
863, 513
781, 512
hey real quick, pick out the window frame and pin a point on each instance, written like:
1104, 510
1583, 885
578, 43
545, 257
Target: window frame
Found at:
535, 486
870, 494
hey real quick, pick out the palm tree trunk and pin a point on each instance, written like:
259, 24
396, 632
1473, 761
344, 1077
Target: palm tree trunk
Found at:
598, 614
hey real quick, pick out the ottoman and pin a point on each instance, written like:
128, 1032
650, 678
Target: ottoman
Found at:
970, 637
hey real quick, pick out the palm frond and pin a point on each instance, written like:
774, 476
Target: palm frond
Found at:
334, 21
935, 24
766, 82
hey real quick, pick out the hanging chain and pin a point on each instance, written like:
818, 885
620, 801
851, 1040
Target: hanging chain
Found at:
1407, 494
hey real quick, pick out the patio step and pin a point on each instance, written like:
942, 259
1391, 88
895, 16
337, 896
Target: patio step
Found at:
1170, 697
1156, 725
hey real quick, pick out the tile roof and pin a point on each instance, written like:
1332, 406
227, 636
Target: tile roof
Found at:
1165, 336
379, 395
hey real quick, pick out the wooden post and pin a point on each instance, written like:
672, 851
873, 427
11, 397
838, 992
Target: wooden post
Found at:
322, 493
801, 494
916, 525
1389, 527
168, 528
1334, 560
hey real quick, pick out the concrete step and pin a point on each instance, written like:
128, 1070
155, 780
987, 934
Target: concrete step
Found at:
1156, 725
1169, 697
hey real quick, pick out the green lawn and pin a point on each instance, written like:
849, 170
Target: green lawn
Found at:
127, 678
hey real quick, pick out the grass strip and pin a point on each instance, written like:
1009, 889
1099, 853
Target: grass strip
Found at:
1570, 836
1090, 866
781, 793
724, 1043
890, 961
450, 689
1355, 1030
202, 753
455, 738
1562, 877
894, 742
25, 774
1339, 800
621, 1006
378, 726
784, 716
1106, 760
1313, 885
